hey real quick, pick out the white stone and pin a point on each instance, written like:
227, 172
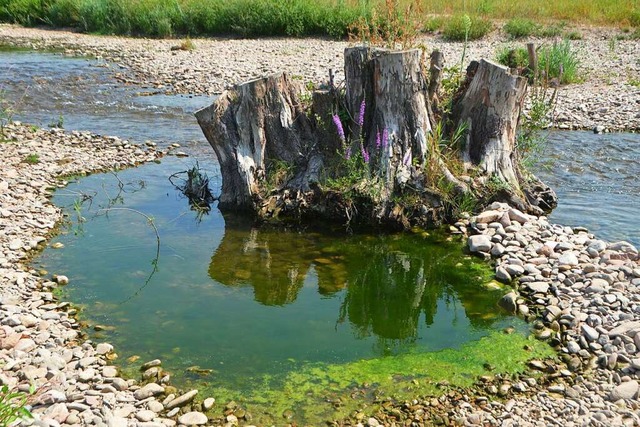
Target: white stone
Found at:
193, 419
15, 244
182, 400
590, 333
488, 216
479, 243
208, 403
104, 348
151, 389
145, 415
568, 258
502, 275
626, 390
538, 287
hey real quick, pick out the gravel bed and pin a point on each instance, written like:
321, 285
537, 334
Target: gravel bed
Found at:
608, 99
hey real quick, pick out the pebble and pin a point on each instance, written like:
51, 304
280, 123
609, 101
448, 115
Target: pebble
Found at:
193, 419
182, 400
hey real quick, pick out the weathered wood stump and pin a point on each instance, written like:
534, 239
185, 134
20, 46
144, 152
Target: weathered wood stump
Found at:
370, 153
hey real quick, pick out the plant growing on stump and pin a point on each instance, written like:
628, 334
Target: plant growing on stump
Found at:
372, 152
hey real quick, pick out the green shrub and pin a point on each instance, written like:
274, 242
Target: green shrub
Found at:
23, 12
559, 56
552, 30
573, 35
519, 28
433, 24
513, 57
455, 30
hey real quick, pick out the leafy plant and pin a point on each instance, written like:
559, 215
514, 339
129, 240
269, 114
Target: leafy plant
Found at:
519, 28
393, 28
32, 159
573, 35
551, 30
187, 44
456, 28
12, 406
517, 57
559, 61
59, 123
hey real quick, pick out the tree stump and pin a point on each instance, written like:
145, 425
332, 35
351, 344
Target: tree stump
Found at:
282, 157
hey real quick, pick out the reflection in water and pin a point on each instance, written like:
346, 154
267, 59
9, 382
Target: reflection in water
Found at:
391, 281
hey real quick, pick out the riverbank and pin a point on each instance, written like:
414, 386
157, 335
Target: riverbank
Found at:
41, 342
581, 293
609, 97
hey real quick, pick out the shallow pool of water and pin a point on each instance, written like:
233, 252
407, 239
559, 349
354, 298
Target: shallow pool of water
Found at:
245, 302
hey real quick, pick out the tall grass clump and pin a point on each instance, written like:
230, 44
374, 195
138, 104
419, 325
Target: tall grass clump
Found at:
519, 28
162, 18
24, 12
513, 57
560, 62
12, 406
557, 61
456, 28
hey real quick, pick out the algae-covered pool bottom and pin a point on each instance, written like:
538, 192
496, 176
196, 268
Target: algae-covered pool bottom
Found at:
286, 323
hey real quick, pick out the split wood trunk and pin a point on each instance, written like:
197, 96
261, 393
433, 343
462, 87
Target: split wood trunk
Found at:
282, 157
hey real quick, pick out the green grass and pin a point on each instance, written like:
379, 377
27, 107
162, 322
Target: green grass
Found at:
335, 18
163, 18
454, 28
551, 59
32, 159
559, 57
513, 57
519, 28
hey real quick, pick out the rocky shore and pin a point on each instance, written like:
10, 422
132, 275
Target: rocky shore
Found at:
582, 294
608, 99
41, 342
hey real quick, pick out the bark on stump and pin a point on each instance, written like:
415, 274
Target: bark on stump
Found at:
264, 121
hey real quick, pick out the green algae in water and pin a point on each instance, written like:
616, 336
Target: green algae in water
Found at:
264, 315
312, 391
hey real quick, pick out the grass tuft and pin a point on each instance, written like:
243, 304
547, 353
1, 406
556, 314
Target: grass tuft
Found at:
455, 28
557, 61
519, 28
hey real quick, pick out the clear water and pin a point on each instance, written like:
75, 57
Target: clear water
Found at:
46, 89
246, 302
596, 179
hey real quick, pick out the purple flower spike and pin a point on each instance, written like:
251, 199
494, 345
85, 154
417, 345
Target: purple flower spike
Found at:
338, 123
363, 105
378, 141
365, 155
406, 160
385, 138
347, 153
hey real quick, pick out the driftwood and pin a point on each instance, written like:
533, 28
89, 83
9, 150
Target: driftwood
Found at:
281, 157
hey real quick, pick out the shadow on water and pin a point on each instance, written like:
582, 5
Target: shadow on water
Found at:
390, 282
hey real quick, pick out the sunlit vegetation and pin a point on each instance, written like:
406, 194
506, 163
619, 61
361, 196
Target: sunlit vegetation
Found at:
334, 18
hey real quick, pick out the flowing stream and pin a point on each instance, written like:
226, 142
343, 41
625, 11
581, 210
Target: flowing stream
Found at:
225, 304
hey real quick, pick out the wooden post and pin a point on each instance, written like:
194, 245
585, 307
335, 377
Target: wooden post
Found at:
533, 61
